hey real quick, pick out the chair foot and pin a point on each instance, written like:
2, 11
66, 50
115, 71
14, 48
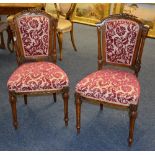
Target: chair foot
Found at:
65, 96
78, 130
133, 116
54, 97
130, 142
78, 102
66, 122
12, 99
15, 124
72, 38
25, 99
101, 107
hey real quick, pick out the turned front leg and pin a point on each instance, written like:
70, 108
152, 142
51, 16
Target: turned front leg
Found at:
12, 99
65, 98
133, 116
78, 111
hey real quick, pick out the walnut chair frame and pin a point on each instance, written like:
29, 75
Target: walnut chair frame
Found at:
51, 57
135, 66
3, 26
67, 16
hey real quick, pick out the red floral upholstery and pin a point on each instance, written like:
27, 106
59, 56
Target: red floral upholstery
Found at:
121, 38
114, 86
34, 31
37, 76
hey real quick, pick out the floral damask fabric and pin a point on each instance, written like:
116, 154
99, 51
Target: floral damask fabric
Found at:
114, 86
121, 38
34, 31
37, 76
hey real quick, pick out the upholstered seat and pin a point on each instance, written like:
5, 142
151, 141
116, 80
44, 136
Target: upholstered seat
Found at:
37, 76
64, 25
108, 85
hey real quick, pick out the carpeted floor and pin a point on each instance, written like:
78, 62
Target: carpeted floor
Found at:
41, 125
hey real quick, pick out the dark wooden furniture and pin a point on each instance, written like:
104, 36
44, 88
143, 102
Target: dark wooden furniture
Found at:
11, 9
34, 33
120, 43
3, 27
64, 12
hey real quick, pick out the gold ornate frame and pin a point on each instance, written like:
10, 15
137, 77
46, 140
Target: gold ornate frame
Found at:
90, 13
119, 8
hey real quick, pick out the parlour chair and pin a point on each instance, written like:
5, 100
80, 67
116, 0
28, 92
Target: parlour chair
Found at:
63, 12
120, 45
34, 33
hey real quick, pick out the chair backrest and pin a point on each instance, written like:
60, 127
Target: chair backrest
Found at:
65, 9
34, 35
120, 41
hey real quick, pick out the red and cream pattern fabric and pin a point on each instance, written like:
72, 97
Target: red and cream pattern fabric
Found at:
121, 38
37, 76
114, 86
34, 31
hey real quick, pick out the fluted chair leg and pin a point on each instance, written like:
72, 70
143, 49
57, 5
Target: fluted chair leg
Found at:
54, 97
12, 99
65, 96
78, 111
25, 99
133, 116
60, 40
72, 38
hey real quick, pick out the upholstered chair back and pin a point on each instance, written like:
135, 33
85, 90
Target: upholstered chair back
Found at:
35, 35
65, 10
64, 7
121, 39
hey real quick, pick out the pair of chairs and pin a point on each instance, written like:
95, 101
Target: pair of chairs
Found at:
120, 42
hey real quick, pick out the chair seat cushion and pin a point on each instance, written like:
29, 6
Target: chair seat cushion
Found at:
110, 86
37, 77
53, 14
64, 25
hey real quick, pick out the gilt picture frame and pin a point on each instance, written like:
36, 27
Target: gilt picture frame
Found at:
90, 13
144, 11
